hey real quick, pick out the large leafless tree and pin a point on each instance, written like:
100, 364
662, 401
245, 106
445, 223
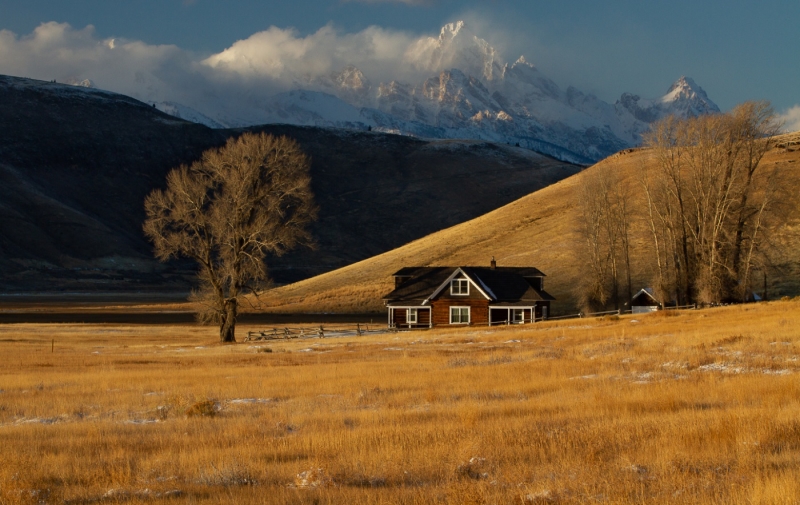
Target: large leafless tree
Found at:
228, 211
708, 196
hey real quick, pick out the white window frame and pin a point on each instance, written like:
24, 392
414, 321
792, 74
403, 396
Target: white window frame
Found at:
460, 314
412, 316
514, 313
461, 282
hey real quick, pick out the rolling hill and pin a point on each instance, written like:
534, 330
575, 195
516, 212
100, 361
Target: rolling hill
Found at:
76, 164
538, 230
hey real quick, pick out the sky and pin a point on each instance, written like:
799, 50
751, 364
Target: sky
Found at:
736, 50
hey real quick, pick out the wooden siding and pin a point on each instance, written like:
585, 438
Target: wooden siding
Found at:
478, 309
399, 317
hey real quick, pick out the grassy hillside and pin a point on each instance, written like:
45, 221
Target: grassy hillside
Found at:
538, 230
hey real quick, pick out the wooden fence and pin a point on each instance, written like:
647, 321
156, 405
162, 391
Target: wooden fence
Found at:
320, 331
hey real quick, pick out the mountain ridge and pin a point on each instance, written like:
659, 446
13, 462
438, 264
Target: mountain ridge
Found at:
471, 92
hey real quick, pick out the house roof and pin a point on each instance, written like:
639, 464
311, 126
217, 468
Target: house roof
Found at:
645, 297
506, 285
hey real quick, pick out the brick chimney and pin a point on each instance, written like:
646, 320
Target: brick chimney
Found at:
493, 264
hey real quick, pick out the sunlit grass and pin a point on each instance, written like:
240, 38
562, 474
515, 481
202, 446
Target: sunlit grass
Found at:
703, 407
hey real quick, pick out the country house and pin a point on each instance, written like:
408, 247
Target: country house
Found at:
425, 297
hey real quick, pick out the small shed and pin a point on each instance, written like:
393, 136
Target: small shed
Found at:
645, 301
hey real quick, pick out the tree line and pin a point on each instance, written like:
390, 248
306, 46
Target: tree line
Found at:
704, 201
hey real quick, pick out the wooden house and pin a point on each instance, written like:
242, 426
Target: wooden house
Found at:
644, 301
425, 297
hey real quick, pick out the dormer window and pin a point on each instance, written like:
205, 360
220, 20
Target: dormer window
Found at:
459, 287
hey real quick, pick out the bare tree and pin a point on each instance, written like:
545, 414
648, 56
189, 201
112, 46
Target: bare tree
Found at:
606, 231
228, 211
592, 291
708, 199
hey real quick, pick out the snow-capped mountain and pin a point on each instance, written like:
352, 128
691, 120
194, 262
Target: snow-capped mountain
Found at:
684, 98
469, 92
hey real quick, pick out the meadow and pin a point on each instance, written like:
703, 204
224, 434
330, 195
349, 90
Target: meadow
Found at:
675, 407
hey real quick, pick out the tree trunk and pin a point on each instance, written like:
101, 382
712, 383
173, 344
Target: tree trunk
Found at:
227, 328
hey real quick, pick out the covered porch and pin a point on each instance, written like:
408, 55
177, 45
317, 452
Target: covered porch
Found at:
410, 317
517, 314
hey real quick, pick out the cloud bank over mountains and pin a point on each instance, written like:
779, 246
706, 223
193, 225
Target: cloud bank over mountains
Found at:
267, 62
447, 86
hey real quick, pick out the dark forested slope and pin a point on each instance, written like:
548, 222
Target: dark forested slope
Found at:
76, 164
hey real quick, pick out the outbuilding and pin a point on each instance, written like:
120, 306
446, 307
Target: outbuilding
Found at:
645, 301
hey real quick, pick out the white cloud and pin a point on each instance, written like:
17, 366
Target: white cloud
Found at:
236, 79
791, 119
57, 51
274, 59
282, 56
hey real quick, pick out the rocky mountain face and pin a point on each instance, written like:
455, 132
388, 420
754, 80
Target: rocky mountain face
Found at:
76, 164
470, 92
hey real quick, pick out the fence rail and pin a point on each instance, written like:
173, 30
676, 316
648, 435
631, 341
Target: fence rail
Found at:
320, 331
682, 307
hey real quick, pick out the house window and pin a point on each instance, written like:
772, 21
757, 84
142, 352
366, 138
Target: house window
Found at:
411, 316
459, 315
518, 315
459, 287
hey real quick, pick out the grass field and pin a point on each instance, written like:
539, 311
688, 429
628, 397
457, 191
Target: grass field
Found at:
540, 230
691, 407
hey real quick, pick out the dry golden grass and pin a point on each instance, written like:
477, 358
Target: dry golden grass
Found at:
701, 407
537, 230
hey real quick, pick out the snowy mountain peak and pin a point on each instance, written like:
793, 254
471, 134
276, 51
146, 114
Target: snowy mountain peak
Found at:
683, 88
352, 78
687, 98
522, 61
683, 99
463, 88
457, 47
450, 30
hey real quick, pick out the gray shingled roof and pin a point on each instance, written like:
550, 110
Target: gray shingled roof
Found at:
505, 285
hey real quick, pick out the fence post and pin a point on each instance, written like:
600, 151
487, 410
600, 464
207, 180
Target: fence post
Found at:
358, 329
321, 332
